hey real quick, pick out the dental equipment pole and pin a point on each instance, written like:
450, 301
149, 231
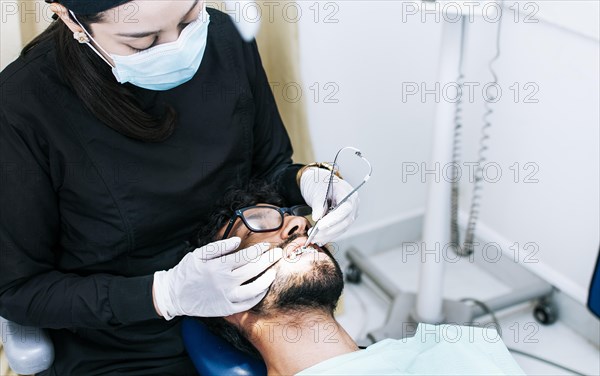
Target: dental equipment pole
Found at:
436, 226
428, 305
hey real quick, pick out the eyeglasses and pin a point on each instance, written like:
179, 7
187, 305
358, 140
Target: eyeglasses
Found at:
265, 218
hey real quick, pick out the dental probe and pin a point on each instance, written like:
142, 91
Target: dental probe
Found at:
315, 228
312, 234
329, 209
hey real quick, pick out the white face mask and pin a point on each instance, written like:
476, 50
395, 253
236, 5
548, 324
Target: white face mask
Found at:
165, 66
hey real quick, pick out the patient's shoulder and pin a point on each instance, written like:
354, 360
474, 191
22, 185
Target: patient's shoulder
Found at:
433, 350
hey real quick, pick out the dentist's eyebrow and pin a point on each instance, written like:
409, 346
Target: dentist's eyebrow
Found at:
143, 34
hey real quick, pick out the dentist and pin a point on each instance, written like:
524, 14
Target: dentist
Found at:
120, 126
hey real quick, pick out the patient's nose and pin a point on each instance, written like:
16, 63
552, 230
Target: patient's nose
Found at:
294, 225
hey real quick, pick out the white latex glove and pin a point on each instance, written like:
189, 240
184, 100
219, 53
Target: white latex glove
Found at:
207, 282
313, 186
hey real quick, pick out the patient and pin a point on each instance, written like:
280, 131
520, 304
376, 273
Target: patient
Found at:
293, 329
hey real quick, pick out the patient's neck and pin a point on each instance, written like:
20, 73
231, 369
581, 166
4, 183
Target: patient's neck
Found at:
289, 344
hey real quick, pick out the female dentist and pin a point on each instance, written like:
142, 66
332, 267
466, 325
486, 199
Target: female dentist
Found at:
120, 126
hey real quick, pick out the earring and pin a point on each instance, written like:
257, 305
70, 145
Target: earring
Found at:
81, 37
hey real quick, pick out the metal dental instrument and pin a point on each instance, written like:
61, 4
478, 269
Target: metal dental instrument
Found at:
328, 199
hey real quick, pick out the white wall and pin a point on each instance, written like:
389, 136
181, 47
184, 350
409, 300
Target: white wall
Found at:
20, 22
559, 134
10, 35
370, 53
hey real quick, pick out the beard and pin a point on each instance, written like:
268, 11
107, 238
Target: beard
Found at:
316, 285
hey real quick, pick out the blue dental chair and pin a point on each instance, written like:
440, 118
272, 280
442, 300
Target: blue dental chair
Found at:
30, 350
212, 355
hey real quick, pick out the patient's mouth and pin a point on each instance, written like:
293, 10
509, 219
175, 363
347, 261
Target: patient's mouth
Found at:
308, 249
293, 247
297, 249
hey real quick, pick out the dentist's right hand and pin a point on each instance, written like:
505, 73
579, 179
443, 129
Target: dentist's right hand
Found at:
208, 281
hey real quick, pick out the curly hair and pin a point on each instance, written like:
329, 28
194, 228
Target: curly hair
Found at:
257, 191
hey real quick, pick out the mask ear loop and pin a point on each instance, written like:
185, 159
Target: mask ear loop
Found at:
88, 41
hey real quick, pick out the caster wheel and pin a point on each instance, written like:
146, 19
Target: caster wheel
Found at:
545, 313
353, 274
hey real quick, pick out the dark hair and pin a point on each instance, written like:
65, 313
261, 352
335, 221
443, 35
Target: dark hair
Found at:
91, 79
232, 334
238, 197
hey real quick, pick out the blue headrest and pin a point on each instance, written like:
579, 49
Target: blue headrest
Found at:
212, 355
594, 294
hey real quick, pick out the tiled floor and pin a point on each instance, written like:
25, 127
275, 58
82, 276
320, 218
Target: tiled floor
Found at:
365, 309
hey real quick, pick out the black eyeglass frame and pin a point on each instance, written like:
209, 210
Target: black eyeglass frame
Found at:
296, 210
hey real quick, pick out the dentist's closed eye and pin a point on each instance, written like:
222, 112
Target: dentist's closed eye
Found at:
181, 27
145, 48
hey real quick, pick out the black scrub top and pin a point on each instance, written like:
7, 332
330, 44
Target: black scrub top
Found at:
87, 215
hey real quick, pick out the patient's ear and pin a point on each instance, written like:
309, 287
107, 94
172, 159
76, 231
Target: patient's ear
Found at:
237, 319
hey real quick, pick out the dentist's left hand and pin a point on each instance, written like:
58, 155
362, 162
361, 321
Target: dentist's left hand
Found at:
313, 187
208, 281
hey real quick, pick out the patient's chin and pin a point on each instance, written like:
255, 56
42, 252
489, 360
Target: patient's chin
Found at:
316, 282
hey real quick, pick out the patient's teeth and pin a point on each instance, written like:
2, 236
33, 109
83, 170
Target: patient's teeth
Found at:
307, 250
